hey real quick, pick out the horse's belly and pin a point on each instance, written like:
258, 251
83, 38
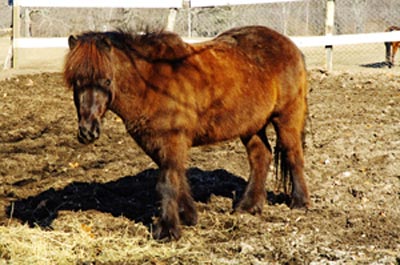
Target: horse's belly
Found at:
226, 126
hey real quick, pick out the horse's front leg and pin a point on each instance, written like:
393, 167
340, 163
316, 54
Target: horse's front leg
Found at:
176, 201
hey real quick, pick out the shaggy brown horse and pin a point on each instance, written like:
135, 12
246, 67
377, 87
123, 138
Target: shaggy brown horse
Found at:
391, 48
172, 95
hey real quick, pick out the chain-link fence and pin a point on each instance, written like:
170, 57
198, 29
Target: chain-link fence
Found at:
304, 18
299, 18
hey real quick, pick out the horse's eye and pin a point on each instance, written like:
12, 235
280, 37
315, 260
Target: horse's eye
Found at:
107, 82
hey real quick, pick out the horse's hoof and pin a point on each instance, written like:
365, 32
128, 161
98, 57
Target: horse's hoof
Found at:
188, 213
165, 233
189, 219
249, 207
300, 203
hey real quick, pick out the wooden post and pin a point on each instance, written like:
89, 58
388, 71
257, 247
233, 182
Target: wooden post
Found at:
15, 32
8, 60
329, 28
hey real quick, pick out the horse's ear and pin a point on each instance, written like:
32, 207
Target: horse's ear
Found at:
72, 40
104, 43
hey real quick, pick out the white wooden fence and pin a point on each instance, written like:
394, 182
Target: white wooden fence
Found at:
327, 41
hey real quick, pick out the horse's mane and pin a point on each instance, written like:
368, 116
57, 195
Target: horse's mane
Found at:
159, 46
90, 57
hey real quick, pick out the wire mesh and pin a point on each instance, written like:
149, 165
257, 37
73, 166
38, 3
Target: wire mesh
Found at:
298, 18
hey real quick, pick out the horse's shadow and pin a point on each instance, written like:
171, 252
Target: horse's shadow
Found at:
376, 65
133, 196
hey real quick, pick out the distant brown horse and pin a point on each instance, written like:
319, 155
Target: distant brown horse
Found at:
172, 95
391, 48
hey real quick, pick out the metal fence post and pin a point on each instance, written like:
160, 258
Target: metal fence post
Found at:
329, 27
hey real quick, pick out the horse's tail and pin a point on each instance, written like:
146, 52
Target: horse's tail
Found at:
282, 172
283, 176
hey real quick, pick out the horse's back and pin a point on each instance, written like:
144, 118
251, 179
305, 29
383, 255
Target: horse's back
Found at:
277, 55
266, 47
392, 28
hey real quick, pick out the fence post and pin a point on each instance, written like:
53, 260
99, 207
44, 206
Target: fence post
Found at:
15, 32
8, 61
171, 19
187, 6
329, 27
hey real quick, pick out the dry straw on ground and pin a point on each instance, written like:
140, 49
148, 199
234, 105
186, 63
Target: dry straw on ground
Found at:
352, 167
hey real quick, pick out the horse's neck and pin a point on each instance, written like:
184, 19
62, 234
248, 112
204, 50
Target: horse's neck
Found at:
130, 87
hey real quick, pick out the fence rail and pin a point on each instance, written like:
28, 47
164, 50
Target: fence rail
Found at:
207, 3
140, 3
100, 3
328, 40
316, 41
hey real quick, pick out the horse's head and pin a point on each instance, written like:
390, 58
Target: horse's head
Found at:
91, 102
87, 72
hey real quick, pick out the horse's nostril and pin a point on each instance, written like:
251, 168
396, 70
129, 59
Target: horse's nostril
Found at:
82, 130
90, 134
82, 138
95, 132
85, 136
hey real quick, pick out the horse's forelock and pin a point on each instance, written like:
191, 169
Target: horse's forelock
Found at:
87, 61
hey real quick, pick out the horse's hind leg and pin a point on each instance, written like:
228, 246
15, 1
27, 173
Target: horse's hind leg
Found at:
395, 47
388, 48
260, 156
289, 127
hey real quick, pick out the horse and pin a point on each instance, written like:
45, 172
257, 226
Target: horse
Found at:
391, 48
172, 95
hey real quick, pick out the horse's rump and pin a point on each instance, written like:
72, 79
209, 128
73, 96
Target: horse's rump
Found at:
280, 60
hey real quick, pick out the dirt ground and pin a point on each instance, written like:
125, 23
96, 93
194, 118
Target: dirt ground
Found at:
352, 151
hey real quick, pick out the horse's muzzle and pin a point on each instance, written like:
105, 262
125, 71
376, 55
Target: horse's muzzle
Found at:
89, 135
